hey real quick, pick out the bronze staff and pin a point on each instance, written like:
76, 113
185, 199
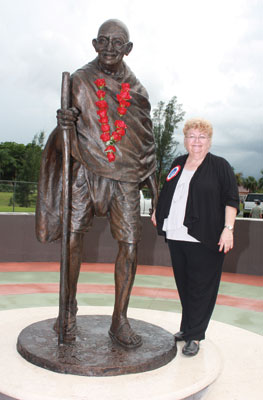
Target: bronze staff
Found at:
64, 260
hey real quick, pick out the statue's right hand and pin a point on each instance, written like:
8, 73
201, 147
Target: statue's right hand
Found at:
67, 118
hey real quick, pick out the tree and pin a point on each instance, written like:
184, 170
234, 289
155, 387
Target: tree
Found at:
31, 164
29, 171
11, 159
239, 178
250, 183
260, 182
165, 120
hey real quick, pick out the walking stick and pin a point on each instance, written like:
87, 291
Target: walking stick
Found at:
64, 259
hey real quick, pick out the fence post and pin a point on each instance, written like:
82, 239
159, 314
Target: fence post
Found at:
14, 196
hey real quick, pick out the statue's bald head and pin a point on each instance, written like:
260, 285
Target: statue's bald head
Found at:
112, 44
112, 25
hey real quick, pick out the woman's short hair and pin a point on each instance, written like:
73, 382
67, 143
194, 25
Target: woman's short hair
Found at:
198, 123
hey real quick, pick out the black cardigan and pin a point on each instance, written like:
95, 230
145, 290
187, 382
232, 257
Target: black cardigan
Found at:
212, 187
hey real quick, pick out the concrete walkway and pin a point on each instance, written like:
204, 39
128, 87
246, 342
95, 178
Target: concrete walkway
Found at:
236, 328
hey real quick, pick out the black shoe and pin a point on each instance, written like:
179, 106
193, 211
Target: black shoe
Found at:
190, 348
179, 336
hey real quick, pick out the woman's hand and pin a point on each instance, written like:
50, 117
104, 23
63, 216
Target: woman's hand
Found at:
226, 241
153, 218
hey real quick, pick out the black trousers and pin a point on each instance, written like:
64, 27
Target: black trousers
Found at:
197, 272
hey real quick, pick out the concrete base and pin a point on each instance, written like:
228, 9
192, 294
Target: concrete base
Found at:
25, 381
182, 378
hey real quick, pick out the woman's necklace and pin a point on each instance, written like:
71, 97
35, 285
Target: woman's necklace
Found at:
111, 139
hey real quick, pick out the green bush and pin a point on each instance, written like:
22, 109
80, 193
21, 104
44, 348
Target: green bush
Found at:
6, 187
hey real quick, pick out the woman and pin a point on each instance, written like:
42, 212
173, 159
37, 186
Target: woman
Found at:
196, 213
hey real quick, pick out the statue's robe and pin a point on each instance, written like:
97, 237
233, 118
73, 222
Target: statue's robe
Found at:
135, 153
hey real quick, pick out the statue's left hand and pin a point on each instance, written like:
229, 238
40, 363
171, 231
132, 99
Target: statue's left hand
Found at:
153, 218
152, 185
154, 200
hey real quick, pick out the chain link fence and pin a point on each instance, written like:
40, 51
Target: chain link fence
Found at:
18, 196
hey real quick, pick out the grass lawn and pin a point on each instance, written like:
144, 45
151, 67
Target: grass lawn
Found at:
5, 207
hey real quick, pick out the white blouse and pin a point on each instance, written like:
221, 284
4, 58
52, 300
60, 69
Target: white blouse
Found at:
173, 224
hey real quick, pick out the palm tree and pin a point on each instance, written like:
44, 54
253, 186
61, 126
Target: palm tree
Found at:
260, 181
250, 183
239, 178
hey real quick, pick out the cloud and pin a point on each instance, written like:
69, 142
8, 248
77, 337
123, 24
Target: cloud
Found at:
207, 53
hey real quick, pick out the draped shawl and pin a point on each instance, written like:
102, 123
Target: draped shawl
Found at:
135, 153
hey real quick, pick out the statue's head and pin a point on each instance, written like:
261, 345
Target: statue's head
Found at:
112, 42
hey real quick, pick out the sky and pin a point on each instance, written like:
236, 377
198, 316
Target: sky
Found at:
208, 53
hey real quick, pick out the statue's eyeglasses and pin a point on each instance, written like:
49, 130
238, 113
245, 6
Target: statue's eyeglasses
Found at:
104, 41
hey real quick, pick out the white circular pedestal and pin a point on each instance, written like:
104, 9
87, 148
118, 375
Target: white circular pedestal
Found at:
182, 378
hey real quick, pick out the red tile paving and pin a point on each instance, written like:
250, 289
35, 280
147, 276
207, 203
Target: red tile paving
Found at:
159, 293
85, 267
242, 279
252, 280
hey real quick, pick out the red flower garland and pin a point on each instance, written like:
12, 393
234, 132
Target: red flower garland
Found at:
116, 136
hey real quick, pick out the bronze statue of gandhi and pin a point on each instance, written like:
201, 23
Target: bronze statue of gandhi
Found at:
112, 157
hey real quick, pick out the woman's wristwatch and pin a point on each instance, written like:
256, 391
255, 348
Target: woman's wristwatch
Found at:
229, 227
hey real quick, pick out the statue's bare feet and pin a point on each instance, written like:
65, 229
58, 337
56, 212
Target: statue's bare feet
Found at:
70, 325
125, 336
70, 330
